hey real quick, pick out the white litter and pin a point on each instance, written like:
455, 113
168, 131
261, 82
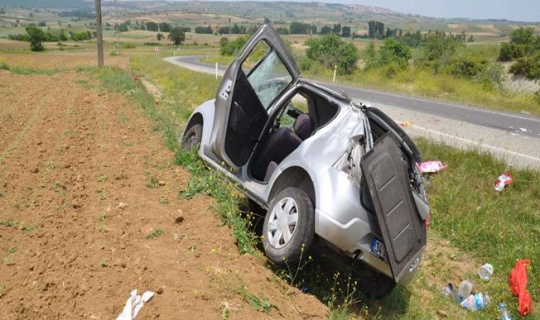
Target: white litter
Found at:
134, 304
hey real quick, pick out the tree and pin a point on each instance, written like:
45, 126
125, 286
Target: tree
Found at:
177, 35
375, 30
299, 28
37, 36
346, 31
326, 30
165, 27
267, 21
152, 26
439, 48
159, 36
332, 51
337, 29
229, 48
522, 36
394, 51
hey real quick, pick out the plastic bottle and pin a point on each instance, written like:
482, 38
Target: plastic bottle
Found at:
465, 288
448, 291
504, 314
476, 302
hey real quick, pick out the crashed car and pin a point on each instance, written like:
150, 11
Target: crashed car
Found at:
324, 168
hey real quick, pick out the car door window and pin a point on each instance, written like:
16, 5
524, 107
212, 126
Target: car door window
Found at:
268, 75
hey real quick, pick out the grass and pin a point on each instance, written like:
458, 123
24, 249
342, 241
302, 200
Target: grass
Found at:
481, 224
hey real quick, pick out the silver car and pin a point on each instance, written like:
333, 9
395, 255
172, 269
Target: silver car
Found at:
324, 168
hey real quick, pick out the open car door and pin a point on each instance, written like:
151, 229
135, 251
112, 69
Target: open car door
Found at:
402, 227
254, 80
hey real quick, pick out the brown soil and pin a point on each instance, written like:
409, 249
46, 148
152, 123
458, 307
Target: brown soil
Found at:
84, 182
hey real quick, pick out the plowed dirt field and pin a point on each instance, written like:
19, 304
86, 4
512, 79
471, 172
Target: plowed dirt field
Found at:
89, 211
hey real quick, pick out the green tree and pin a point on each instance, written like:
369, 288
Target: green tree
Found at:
522, 36
37, 36
159, 36
326, 30
375, 30
229, 48
394, 51
299, 28
346, 31
332, 51
337, 29
439, 48
177, 35
152, 26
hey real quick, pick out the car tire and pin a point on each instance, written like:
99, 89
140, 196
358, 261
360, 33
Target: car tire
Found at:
289, 227
192, 137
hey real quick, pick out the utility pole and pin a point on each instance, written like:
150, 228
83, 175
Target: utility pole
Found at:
99, 33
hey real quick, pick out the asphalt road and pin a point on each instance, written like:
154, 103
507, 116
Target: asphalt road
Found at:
515, 138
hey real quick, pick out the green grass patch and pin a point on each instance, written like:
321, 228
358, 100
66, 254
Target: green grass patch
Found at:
495, 227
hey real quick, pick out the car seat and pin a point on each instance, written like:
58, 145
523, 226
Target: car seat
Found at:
282, 142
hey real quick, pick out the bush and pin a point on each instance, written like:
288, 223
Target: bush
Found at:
511, 51
466, 67
527, 67
332, 51
229, 48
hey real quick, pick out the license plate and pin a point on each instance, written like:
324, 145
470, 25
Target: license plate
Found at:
378, 249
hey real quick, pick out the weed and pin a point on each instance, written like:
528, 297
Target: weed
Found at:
291, 273
101, 227
8, 223
153, 182
12, 249
164, 201
59, 187
123, 118
102, 178
8, 261
2, 288
154, 234
30, 228
259, 304
102, 193
104, 263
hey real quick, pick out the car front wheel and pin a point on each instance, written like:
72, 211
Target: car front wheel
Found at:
192, 137
289, 227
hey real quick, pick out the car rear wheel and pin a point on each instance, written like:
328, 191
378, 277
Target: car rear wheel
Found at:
289, 227
192, 137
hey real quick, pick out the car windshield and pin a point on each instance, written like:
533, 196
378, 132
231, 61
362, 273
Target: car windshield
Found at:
269, 77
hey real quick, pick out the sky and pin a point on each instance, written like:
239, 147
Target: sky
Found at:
521, 10
517, 10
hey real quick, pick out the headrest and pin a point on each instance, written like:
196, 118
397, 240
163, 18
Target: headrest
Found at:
303, 126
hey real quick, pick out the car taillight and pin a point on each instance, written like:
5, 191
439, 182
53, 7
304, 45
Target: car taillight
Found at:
428, 220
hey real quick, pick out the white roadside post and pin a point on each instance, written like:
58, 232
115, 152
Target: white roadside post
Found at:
216, 70
335, 70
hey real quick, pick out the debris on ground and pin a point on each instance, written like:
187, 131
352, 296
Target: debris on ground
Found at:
431, 166
503, 180
134, 304
518, 285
